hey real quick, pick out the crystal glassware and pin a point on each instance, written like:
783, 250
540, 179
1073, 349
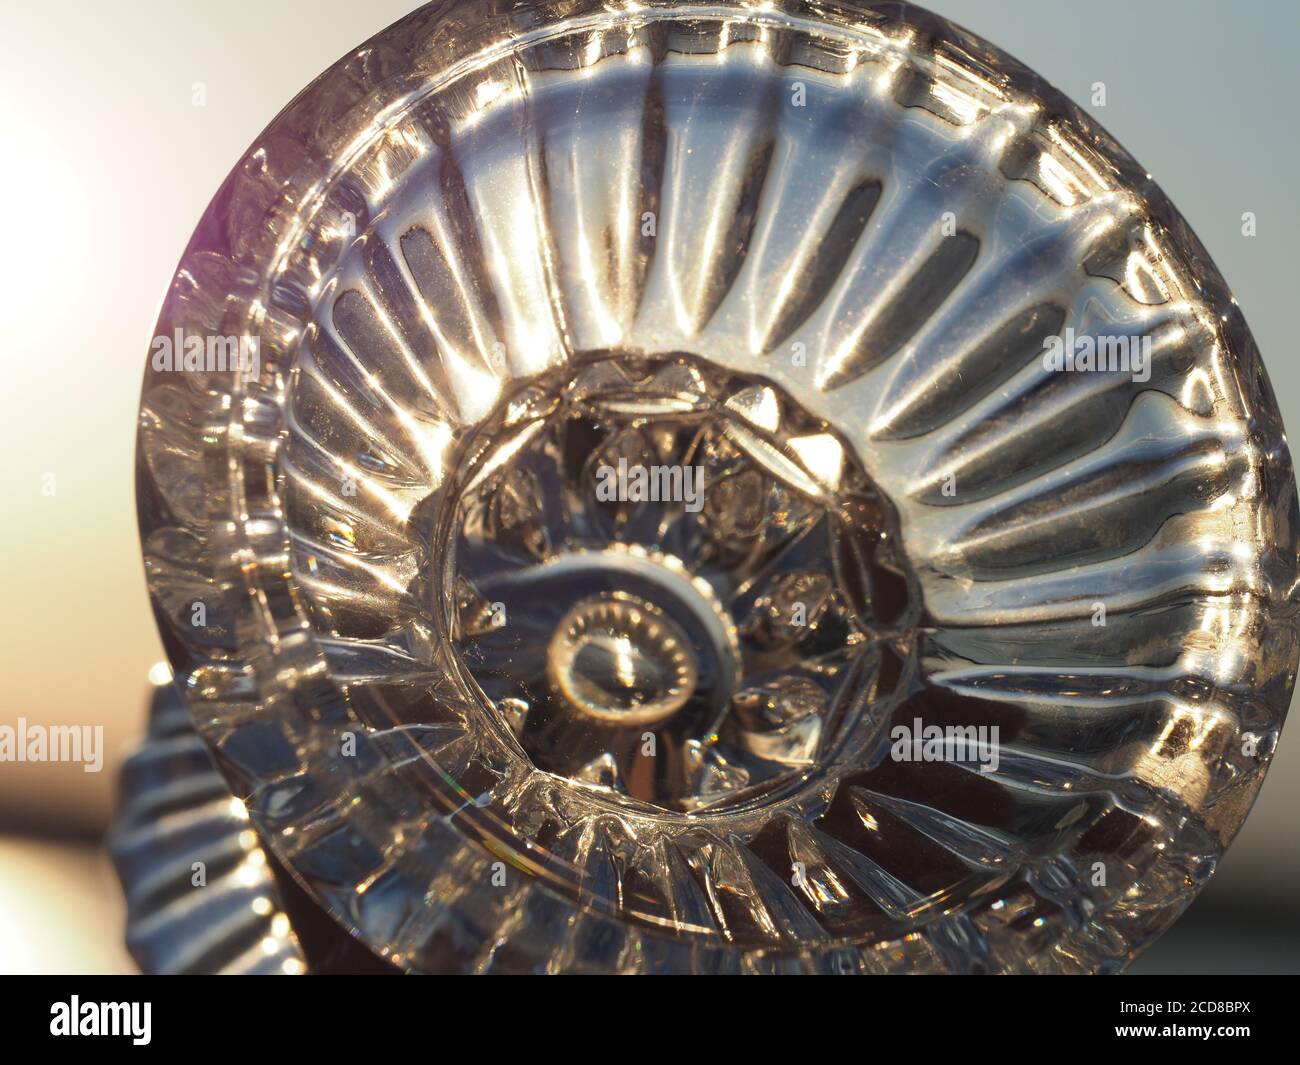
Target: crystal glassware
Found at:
731, 487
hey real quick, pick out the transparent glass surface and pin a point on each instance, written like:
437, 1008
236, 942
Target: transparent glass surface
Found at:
498, 705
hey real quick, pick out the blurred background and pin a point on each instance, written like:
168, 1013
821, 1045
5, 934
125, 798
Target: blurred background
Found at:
119, 122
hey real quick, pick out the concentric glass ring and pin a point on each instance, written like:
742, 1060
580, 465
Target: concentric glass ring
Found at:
492, 718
